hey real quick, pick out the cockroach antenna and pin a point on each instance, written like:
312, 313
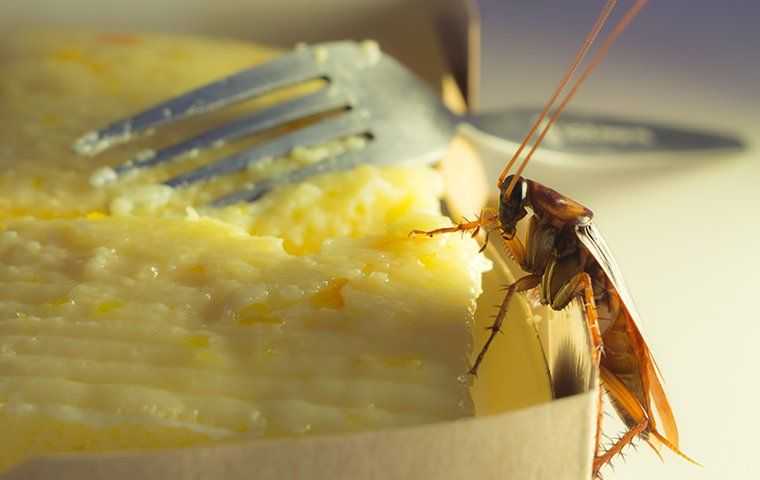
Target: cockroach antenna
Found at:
595, 61
582, 51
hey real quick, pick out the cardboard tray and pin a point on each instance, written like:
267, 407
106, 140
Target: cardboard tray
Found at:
519, 432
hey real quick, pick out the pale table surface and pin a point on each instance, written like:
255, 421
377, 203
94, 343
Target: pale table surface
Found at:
688, 235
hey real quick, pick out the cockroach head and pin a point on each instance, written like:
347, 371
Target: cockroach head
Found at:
512, 206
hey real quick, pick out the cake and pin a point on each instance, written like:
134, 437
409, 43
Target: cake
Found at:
134, 316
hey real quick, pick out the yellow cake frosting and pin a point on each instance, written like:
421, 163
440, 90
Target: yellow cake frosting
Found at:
133, 316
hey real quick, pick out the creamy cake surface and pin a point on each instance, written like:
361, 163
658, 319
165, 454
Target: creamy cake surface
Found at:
132, 316
58, 85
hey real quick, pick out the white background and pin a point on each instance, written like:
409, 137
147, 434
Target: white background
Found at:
687, 236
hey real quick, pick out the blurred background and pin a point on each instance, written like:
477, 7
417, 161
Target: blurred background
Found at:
685, 229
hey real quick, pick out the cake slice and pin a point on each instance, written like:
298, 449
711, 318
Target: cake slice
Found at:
142, 332
133, 317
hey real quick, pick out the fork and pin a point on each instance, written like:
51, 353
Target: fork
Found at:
375, 97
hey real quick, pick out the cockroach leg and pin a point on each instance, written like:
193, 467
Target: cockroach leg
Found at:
459, 227
485, 242
592, 318
618, 446
599, 419
525, 283
592, 323
515, 249
487, 220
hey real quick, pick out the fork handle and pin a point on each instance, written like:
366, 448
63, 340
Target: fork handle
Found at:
597, 134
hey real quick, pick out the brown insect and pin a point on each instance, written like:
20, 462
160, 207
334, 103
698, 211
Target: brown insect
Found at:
566, 258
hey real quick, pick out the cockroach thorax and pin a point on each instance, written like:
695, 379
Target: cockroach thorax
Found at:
550, 204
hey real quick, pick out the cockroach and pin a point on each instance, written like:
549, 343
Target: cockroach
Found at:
566, 258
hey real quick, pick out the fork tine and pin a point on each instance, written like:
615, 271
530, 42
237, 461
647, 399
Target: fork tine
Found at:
321, 101
370, 154
295, 67
353, 122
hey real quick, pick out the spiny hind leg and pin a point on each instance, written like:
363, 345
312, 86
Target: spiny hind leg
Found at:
637, 418
599, 419
525, 283
628, 437
586, 289
486, 220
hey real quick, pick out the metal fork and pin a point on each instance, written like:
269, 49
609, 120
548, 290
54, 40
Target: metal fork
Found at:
403, 120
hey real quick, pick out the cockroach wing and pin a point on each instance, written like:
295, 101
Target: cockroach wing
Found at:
591, 238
